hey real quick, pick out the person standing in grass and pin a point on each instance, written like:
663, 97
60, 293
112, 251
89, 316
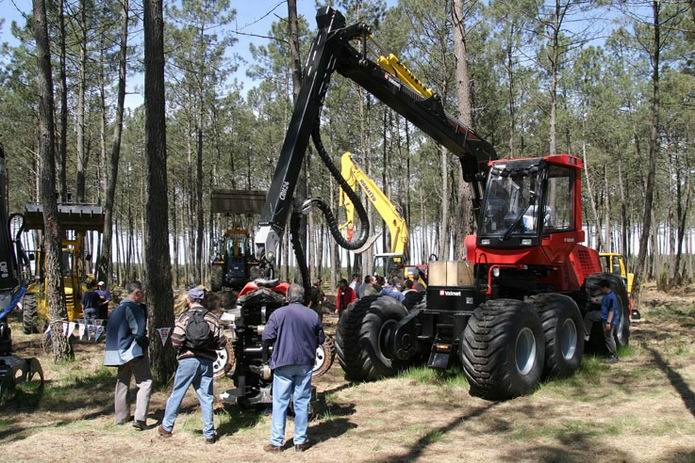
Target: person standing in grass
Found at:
297, 332
609, 316
197, 335
126, 348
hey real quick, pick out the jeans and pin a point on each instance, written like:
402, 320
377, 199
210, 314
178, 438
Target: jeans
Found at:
139, 367
595, 317
198, 372
289, 381
90, 315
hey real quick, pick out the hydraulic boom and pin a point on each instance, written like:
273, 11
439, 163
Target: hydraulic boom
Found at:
394, 85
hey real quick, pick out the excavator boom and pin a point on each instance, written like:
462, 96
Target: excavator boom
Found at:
387, 209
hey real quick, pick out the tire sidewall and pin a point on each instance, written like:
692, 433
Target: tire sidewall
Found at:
522, 384
382, 310
566, 367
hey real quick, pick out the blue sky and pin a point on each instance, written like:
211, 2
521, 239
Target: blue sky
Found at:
249, 19
254, 17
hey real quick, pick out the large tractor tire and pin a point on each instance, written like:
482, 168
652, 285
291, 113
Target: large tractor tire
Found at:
30, 315
363, 338
217, 277
563, 328
593, 292
502, 349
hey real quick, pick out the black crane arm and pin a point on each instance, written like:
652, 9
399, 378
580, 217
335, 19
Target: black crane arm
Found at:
332, 51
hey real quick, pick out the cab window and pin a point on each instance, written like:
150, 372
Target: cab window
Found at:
559, 200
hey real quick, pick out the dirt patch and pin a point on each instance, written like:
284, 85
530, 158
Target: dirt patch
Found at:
642, 409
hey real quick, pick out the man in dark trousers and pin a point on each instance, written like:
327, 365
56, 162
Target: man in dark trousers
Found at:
609, 316
297, 332
197, 334
126, 348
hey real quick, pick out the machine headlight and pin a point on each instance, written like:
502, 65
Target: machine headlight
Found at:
496, 272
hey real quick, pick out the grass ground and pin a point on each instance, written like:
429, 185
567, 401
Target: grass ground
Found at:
641, 409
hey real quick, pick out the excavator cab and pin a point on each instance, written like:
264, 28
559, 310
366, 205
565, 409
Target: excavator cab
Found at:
389, 264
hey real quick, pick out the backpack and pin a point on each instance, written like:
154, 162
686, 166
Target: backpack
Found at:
198, 333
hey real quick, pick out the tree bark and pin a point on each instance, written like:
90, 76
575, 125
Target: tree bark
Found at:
112, 176
62, 350
465, 216
157, 261
443, 247
63, 140
653, 143
82, 106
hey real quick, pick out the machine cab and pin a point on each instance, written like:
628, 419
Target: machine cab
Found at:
527, 200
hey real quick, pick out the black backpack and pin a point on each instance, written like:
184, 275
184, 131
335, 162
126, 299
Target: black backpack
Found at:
198, 333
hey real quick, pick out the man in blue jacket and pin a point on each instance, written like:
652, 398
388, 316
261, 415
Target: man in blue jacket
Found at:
297, 332
609, 316
126, 348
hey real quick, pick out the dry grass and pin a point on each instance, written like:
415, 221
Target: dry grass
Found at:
642, 409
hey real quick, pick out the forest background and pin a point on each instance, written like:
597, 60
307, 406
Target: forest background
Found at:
612, 82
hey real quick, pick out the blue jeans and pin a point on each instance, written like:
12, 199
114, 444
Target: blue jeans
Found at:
289, 381
197, 372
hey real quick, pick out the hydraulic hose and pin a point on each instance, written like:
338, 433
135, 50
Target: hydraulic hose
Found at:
325, 209
295, 221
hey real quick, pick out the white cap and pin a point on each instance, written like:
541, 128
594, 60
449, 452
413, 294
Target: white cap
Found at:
101, 283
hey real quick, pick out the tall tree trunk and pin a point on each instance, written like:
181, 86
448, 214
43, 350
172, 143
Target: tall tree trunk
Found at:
157, 261
653, 143
443, 247
682, 208
465, 217
510, 89
591, 197
52, 233
112, 176
199, 202
607, 212
82, 106
63, 140
623, 215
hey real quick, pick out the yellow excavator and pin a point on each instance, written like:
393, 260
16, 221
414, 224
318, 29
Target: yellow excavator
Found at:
388, 263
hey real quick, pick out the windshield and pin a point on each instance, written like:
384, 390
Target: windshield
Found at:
509, 200
238, 246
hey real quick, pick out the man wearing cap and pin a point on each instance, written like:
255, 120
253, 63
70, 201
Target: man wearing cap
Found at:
197, 335
103, 310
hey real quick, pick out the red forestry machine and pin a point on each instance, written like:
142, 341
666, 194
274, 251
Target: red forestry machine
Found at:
511, 314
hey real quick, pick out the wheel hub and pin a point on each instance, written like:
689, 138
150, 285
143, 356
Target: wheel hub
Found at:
568, 339
220, 361
386, 337
525, 351
320, 358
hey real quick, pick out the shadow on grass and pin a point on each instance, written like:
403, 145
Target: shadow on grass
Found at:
238, 419
436, 434
676, 380
92, 393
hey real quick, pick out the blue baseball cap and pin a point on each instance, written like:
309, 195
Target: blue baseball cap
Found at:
196, 294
